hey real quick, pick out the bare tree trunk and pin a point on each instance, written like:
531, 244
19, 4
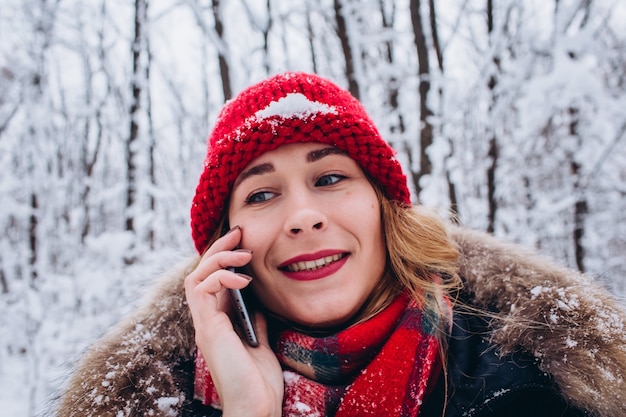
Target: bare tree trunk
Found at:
491, 184
426, 128
311, 36
264, 28
32, 235
7, 77
452, 192
151, 150
435, 34
580, 215
392, 82
342, 32
3, 280
493, 152
266, 34
88, 161
133, 137
580, 206
88, 166
222, 59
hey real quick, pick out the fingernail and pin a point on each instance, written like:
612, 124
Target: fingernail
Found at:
243, 250
248, 277
232, 229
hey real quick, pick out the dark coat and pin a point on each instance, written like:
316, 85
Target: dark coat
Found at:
482, 383
554, 340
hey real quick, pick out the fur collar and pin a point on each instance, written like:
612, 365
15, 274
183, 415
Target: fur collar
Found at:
565, 319
569, 322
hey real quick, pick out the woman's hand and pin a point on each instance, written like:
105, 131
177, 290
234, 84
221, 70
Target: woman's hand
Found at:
248, 380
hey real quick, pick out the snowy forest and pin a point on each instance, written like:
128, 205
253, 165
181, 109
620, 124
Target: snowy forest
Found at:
510, 115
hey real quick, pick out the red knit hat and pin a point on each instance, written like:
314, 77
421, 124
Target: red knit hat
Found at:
284, 109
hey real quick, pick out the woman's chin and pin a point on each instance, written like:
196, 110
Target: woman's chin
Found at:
321, 321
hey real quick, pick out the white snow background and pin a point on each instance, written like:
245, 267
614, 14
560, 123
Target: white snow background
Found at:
68, 267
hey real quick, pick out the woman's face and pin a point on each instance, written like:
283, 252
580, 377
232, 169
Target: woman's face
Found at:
312, 221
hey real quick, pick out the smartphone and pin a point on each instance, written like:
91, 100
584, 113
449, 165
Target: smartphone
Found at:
242, 315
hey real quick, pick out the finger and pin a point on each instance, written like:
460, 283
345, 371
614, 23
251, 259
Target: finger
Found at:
220, 279
209, 301
229, 241
218, 261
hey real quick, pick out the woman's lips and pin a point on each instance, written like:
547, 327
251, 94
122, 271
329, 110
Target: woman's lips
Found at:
314, 266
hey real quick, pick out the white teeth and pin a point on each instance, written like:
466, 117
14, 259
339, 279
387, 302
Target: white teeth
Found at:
313, 265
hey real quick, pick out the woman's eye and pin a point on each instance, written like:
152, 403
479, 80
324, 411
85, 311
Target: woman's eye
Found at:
329, 179
259, 197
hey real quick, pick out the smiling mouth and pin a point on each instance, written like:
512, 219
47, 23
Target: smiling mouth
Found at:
313, 265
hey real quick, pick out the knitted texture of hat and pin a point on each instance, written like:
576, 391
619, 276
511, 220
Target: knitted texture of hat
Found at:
285, 109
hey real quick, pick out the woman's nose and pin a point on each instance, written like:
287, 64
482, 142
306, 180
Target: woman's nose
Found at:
316, 226
305, 217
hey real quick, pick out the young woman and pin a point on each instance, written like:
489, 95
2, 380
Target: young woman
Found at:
362, 304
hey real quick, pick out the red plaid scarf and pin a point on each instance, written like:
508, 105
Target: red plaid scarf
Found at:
380, 367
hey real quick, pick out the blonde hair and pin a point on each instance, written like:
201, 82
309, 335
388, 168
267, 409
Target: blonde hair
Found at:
421, 260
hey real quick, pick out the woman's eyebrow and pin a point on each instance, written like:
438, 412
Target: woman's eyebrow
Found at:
321, 153
255, 170
267, 167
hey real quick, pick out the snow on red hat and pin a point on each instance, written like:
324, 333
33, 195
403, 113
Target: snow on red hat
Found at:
284, 109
